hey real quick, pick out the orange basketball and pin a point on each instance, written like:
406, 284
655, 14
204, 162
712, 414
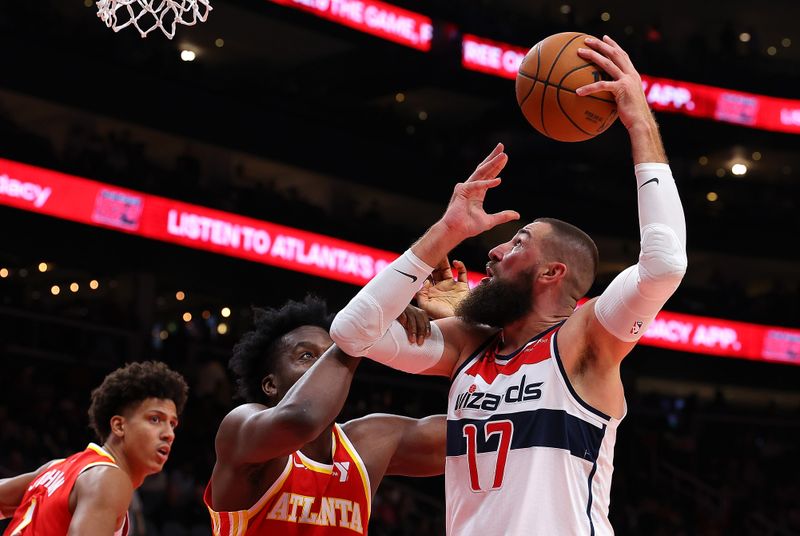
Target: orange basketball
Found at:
546, 82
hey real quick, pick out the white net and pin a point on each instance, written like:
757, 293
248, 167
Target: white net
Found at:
149, 15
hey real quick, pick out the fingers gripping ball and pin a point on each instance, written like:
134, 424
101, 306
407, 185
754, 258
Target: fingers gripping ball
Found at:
546, 82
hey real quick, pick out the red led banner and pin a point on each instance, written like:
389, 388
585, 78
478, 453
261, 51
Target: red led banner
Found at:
373, 17
748, 109
72, 198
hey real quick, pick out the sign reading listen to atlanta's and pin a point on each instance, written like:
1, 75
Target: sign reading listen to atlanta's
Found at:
72, 198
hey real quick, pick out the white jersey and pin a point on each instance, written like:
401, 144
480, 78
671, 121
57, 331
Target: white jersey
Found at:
525, 455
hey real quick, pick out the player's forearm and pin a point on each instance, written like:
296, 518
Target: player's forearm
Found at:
646, 144
436, 243
319, 395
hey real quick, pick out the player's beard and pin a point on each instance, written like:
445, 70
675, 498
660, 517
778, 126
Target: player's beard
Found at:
498, 302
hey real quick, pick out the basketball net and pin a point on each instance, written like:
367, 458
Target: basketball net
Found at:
149, 15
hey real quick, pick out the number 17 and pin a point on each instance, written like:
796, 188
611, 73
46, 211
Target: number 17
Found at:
506, 430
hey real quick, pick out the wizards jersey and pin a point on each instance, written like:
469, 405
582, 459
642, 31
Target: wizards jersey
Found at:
525, 455
45, 505
307, 499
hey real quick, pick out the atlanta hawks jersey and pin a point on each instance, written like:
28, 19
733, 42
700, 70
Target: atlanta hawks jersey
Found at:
45, 505
525, 455
307, 499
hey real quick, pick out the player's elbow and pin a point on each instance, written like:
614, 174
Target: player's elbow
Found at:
349, 336
662, 261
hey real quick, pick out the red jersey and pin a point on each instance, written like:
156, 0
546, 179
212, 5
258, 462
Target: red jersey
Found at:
44, 509
307, 499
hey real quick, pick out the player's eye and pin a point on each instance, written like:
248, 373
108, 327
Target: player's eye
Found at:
155, 419
306, 355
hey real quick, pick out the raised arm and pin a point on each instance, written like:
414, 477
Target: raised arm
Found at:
101, 499
619, 317
253, 433
366, 326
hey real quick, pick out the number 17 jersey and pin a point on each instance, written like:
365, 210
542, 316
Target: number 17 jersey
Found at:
525, 455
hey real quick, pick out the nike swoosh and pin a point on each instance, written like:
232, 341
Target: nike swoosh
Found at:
648, 182
412, 277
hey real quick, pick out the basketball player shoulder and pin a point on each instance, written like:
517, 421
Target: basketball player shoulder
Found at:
233, 425
106, 483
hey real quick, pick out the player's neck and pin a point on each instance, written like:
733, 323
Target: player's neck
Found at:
516, 334
115, 449
320, 449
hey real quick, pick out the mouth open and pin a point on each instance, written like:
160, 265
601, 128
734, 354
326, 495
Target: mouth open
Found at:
163, 452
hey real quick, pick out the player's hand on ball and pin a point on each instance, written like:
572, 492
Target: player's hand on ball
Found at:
626, 85
416, 323
441, 293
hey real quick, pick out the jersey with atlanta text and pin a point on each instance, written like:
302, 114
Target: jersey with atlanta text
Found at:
307, 499
45, 505
525, 455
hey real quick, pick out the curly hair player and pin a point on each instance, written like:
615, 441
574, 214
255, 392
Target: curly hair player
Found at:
134, 413
536, 394
283, 465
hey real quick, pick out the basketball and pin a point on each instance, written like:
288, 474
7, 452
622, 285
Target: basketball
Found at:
546, 82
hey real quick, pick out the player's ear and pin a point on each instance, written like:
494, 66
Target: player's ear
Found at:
118, 425
269, 385
554, 271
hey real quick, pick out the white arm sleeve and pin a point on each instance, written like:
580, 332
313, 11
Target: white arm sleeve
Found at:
367, 325
635, 296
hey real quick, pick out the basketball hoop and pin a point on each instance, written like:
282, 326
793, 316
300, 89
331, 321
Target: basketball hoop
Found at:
148, 15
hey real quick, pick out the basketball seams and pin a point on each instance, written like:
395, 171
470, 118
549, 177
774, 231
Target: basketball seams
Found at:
533, 78
565, 114
553, 66
568, 90
575, 69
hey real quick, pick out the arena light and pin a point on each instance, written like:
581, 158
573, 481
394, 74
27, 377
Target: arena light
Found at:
55, 290
187, 316
226, 312
738, 169
222, 328
712, 196
74, 287
94, 284
180, 295
188, 55
42, 267
3, 273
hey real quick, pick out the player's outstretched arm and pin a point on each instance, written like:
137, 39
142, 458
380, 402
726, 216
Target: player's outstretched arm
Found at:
13, 489
366, 325
396, 445
101, 498
615, 321
253, 433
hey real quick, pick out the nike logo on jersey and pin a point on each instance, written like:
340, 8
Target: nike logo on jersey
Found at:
413, 278
648, 182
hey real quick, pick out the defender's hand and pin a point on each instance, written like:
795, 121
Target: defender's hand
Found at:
441, 293
416, 323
